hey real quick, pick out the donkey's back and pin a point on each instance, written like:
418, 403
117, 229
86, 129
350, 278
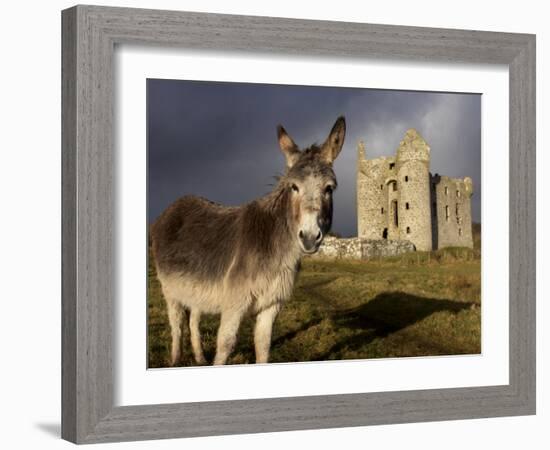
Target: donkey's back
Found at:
195, 237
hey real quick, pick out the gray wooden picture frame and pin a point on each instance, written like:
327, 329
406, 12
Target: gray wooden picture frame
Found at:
88, 42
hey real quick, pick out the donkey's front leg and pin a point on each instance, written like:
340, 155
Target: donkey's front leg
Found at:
176, 314
227, 335
262, 332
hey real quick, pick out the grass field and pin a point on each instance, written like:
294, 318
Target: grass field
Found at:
418, 304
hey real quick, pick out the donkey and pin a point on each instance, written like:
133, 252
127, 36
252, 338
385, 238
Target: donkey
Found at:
231, 260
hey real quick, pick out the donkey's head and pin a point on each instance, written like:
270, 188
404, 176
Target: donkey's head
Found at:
310, 182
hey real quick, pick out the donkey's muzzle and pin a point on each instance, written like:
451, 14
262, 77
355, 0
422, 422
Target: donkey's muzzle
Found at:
310, 241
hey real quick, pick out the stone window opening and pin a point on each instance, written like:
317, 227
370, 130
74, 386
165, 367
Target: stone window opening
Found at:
457, 211
395, 216
381, 187
447, 213
406, 178
458, 193
382, 210
392, 165
460, 231
394, 186
446, 190
408, 230
407, 205
385, 233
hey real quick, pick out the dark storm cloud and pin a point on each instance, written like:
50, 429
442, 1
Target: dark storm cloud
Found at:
218, 140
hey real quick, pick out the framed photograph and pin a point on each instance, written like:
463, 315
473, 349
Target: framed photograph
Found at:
278, 224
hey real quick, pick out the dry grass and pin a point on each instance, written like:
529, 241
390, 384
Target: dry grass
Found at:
418, 304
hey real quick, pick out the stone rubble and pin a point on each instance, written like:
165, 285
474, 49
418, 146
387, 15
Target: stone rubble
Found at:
358, 248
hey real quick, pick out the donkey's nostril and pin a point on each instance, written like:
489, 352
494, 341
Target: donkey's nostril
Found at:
318, 237
301, 234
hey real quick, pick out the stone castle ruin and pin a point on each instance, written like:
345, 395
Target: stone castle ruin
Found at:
399, 199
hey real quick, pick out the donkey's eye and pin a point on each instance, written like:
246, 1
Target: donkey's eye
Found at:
295, 188
329, 189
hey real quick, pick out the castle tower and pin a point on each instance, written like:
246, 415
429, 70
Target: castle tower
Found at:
412, 215
453, 211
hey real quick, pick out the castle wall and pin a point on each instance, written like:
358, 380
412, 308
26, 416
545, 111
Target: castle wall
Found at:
453, 207
372, 196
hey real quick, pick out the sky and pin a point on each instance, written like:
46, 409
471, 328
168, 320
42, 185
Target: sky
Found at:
219, 141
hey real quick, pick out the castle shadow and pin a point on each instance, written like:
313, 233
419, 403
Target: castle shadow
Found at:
387, 313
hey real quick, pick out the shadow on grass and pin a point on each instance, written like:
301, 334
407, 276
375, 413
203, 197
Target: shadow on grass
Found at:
387, 313
293, 333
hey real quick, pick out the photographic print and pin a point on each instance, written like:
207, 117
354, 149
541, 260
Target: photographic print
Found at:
304, 223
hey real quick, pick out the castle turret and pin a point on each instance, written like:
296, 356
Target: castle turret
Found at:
413, 184
468, 186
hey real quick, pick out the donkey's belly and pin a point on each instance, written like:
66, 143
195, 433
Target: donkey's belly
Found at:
219, 296
207, 297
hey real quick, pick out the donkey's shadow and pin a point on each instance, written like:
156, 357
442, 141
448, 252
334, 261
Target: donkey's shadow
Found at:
387, 313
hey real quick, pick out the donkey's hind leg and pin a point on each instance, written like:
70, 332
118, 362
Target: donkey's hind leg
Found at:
176, 313
194, 320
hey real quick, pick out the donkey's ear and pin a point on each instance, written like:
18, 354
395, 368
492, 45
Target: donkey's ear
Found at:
333, 145
288, 147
